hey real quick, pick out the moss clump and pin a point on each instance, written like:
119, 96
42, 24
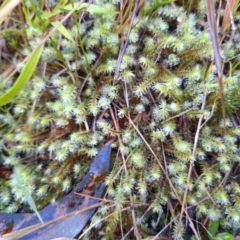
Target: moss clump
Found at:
161, 107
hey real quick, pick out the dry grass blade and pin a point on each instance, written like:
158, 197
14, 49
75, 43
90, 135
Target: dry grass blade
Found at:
90, 227
228, 14
197, 134
213, 29
7, 8
136, 232
167, 177
124, 47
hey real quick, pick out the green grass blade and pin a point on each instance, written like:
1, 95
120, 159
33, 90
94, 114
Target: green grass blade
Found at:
18, 177
60, 4
156, 5
91, 8
23, 78
63, 31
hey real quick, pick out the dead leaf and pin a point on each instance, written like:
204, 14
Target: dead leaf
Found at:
66, 217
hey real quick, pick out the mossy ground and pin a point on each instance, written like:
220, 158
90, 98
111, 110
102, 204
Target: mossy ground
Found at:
145, 73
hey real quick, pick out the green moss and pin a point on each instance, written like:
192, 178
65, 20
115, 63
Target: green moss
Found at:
166, 75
